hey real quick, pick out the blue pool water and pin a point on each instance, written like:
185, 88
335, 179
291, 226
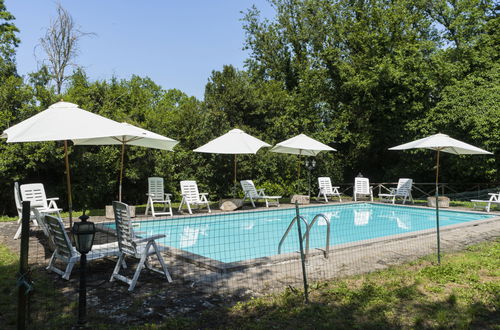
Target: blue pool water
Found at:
247, 235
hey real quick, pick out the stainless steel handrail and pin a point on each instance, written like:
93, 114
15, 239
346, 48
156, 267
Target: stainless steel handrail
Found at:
307, 233
288, 230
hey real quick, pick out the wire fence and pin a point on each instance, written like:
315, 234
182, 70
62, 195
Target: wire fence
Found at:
221, 257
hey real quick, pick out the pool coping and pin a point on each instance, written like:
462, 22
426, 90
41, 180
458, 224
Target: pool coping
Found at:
228, 267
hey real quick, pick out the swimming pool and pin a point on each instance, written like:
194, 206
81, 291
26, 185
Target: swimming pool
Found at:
248, 235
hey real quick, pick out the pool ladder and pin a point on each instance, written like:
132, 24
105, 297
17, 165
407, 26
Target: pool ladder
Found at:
308, 231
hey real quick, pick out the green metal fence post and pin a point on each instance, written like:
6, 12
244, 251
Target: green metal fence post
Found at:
302, 255
22, 297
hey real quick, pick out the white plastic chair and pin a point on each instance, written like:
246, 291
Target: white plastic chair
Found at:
136, 247
494, 199
66, 253
191, 196
35, 193
362, 188
403, 190
326, 189
254, 194
19, 207
157, 195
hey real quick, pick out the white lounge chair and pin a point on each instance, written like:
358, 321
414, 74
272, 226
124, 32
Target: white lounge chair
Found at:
191, 196
326, 189
494, 199
403, 190
135, 247
156, 195
254, 194
362, 188
35, 193
19, 207
66, 253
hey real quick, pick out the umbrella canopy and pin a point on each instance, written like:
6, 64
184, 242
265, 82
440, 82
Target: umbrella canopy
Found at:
234, 142
441, 142
301, 145
130, 135
62, 121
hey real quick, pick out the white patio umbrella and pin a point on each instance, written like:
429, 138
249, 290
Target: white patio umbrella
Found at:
62, 121
234, 142
441, 142
130, 135
301, 145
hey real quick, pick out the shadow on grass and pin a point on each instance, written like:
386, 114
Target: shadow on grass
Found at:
47, 308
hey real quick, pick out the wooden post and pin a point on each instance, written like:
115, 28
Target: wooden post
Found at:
121, 173
68, 184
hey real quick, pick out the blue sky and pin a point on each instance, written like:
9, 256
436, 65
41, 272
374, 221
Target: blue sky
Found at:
176, 43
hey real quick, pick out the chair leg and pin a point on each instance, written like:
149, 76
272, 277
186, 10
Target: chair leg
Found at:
170, 208
189, 207
147, 208
52, 261
208, 207
18, 232
119, 263
140, 266
162, 263
180, 205
69, 268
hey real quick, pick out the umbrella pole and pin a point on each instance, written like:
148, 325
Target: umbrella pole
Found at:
437, 209
68, 184
234, 182
121, 173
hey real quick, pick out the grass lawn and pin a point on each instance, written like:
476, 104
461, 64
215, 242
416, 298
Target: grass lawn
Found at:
464, 292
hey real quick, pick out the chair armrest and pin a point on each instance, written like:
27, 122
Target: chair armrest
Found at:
204, 194
260, 192
53, 199
147, 239
168, 196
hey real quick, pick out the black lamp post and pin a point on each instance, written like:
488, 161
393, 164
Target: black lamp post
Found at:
310, 165
83, 234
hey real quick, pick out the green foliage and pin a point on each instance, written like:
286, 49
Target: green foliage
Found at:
359, 76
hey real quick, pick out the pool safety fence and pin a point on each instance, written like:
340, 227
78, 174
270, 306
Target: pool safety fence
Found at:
217, 258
